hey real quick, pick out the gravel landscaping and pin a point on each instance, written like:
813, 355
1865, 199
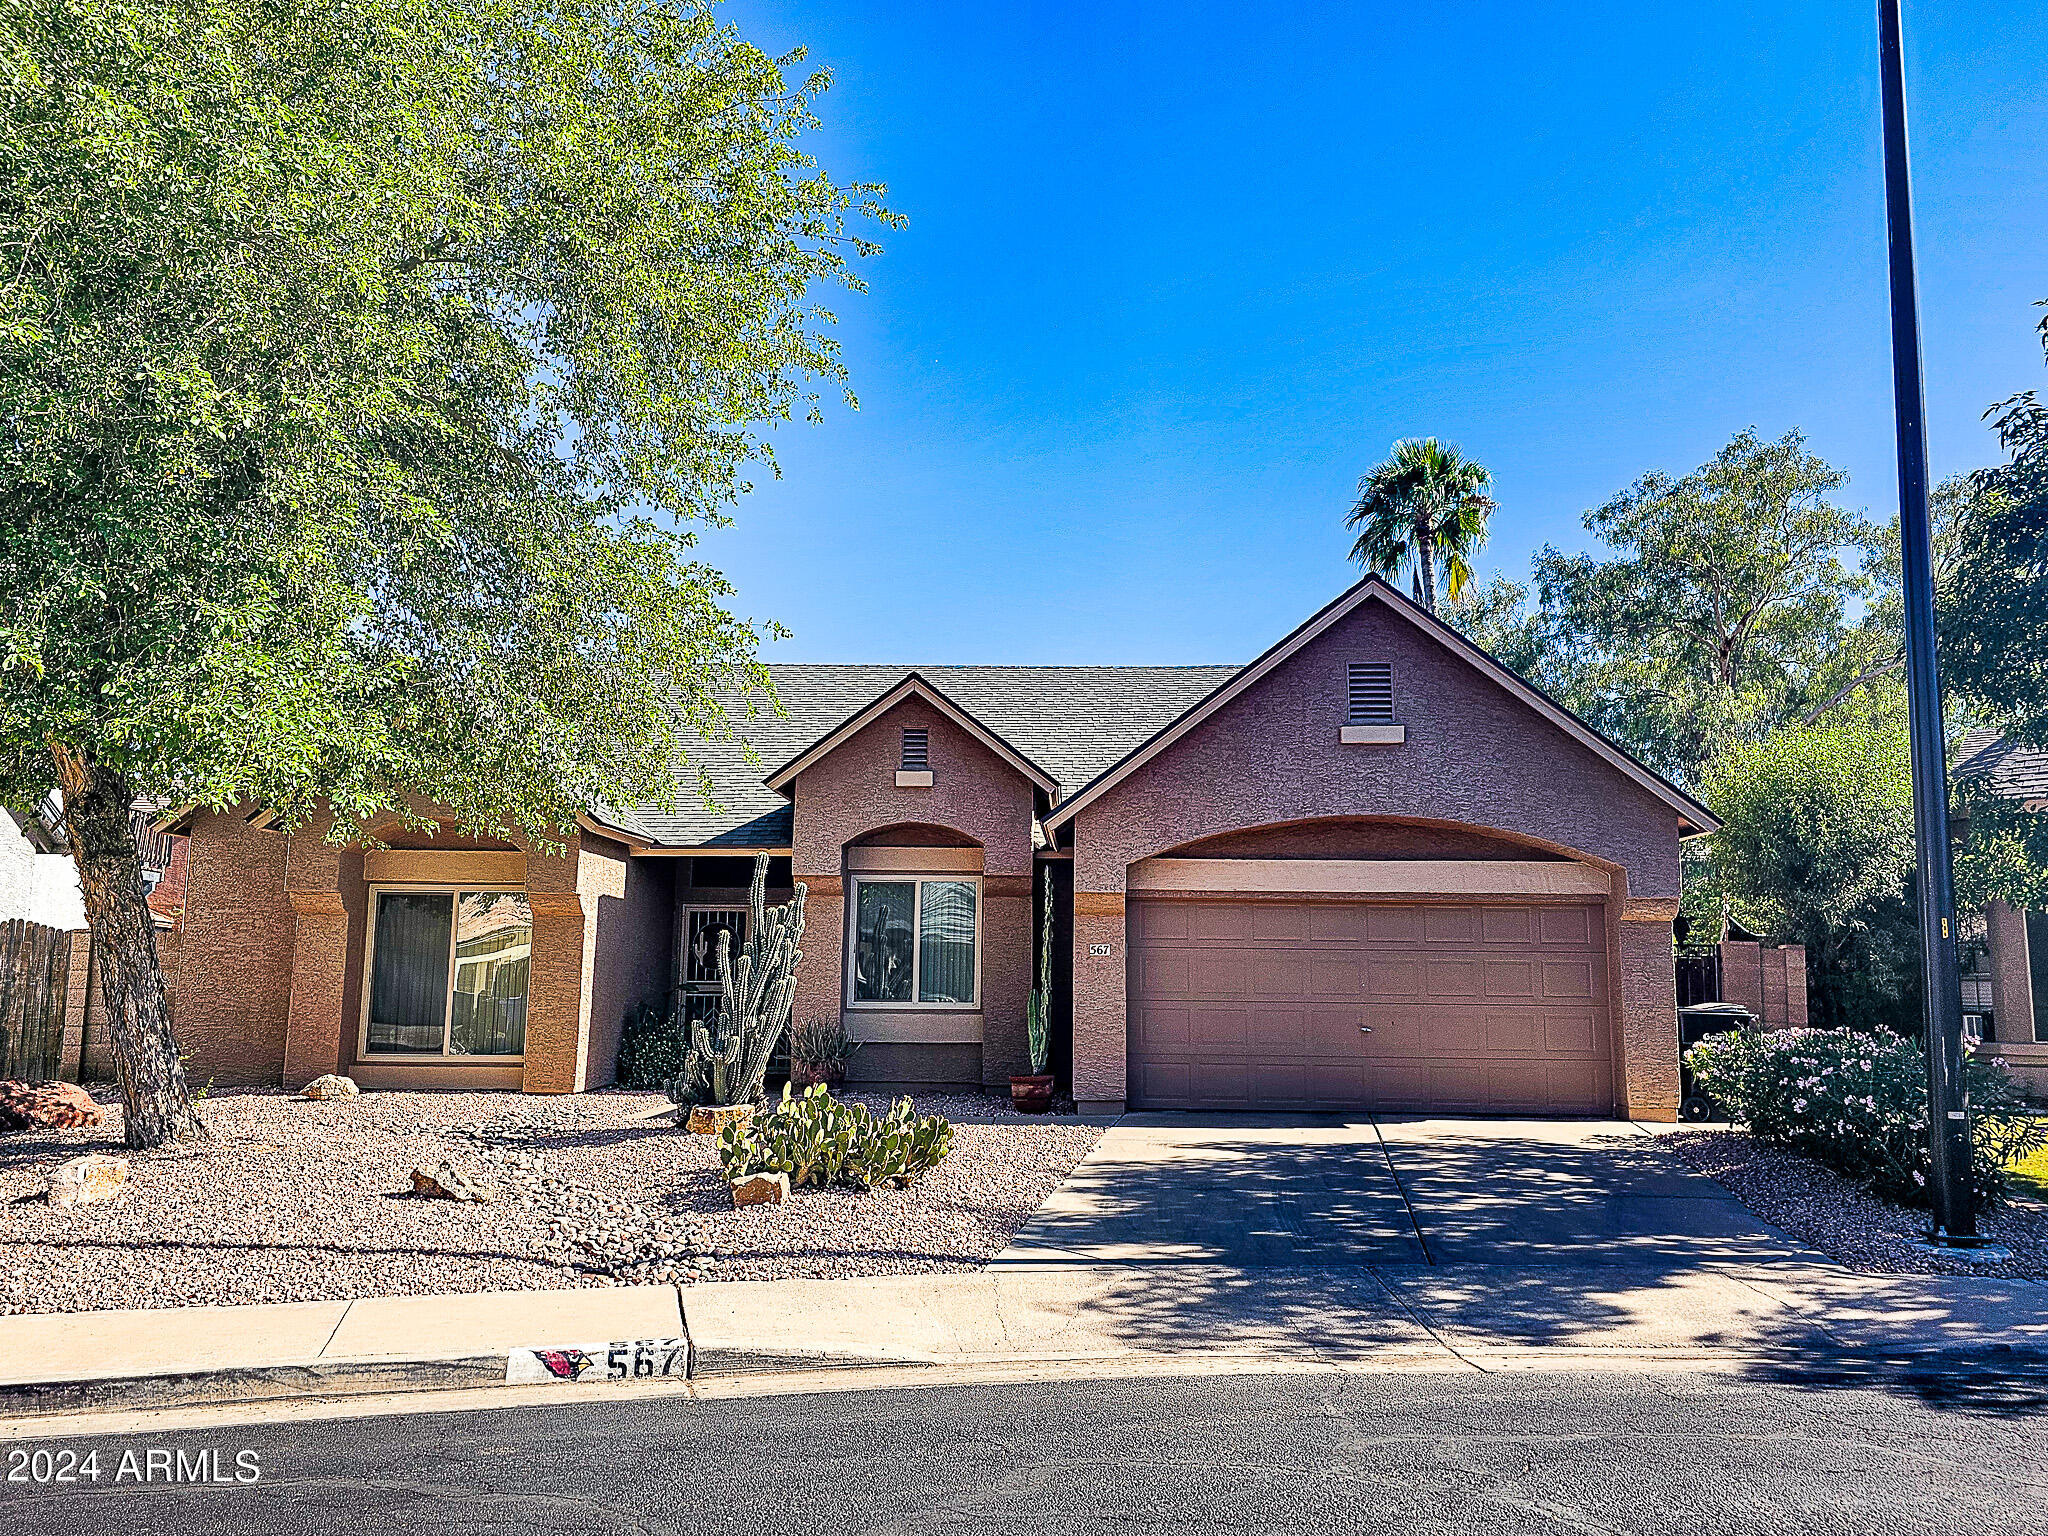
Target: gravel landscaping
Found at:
301, 1201
1818, 1206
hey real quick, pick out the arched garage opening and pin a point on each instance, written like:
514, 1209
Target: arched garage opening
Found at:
1355, 964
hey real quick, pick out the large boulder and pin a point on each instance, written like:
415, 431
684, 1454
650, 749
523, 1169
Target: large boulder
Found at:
710, 1119
447, 1182
760, 1189
331, 1085
88, 1180
46, 1106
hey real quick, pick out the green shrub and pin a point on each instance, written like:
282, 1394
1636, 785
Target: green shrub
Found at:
817, 1139
1858, 1102
652, 1044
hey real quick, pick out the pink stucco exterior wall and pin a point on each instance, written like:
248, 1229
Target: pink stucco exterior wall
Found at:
850, 796
1474, 754
633, 958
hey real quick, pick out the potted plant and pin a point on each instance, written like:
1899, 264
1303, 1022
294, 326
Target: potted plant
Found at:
818, 1051
1032, 1092
727, 1061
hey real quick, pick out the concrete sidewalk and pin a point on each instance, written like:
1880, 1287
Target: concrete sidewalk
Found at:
64, 1361
1402, 1316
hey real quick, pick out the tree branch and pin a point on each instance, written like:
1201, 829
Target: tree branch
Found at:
1868, 675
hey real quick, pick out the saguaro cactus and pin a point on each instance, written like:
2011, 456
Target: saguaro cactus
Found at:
727, 1062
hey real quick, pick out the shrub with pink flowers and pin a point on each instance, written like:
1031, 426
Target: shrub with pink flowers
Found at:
1858, 1102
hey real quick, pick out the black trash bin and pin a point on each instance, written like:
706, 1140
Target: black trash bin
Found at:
1695, 1023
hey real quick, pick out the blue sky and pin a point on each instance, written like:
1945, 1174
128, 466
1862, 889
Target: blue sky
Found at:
1176, 274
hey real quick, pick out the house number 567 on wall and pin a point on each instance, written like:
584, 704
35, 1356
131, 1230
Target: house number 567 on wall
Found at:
1098, 949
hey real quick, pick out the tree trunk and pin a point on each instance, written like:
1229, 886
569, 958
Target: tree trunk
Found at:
158, 1103
1425, 562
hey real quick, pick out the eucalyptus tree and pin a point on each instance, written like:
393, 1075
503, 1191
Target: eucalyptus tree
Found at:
1425, 504
1993, 606
1726, 602
364, 372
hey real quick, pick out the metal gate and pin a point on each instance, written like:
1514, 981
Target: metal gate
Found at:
701, 927
35, 974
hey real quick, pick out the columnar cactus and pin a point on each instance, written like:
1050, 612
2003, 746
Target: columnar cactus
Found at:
1038, 1002
728, 1059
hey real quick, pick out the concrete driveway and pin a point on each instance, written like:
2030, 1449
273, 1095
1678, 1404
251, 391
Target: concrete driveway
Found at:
1283, 1191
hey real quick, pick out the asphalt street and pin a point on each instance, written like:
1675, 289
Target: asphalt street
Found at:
1807, 1448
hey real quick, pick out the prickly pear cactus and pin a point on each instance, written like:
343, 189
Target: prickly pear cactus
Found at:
819, 1140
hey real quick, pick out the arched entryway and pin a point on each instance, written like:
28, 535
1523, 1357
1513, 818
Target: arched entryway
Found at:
1350, 964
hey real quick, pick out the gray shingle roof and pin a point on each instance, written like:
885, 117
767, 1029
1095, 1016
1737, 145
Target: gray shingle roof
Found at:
2013, 770
1074, 722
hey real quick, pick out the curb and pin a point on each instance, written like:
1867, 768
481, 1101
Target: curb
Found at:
249, 1384
340, 1380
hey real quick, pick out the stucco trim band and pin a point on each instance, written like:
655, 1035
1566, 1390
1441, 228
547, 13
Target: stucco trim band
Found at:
913, 1027
1649, 909
1374, 877
914, 861
408, 866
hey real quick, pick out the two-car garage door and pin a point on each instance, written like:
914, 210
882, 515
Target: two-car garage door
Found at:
1242, 1003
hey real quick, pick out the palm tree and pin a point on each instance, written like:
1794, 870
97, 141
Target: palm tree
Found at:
1425, 503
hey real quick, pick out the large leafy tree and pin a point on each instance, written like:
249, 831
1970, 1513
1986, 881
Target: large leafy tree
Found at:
1993, 600
1423, 506
363, 369
1816, 847
1727, 602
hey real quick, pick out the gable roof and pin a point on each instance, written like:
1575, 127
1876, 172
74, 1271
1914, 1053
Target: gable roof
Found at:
2009, 768
912, 686
1068, 722
1691, 814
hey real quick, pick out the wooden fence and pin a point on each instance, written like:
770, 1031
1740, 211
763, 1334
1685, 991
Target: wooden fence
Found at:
35, 974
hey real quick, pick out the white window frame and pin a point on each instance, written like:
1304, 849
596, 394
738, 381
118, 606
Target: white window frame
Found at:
902, 877
444, 1055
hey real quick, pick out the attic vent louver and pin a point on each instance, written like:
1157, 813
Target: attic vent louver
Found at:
917, 749
1371, 693
1369, 707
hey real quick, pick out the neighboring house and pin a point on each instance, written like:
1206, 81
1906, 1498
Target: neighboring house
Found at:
2005, 950
39, 882
1371, 869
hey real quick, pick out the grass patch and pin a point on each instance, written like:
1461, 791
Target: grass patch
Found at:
2030, 1175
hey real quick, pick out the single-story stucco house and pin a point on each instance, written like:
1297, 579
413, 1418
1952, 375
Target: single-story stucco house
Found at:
1372, 869
2005, 950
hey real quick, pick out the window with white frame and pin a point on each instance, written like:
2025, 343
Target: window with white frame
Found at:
448, 973
916, 942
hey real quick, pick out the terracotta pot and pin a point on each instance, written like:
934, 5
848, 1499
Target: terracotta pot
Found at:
1032, 1095
710, 1119
808, 1074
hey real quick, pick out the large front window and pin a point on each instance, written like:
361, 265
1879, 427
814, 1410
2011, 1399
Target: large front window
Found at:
914, 942
448, 973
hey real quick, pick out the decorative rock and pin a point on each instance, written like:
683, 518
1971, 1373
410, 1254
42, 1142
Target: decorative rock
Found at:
710, 1119
47, 1106
447, 1182
331, 1085
88, 1180
760, 1189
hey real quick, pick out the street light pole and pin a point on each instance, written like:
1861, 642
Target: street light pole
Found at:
1955, 1218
